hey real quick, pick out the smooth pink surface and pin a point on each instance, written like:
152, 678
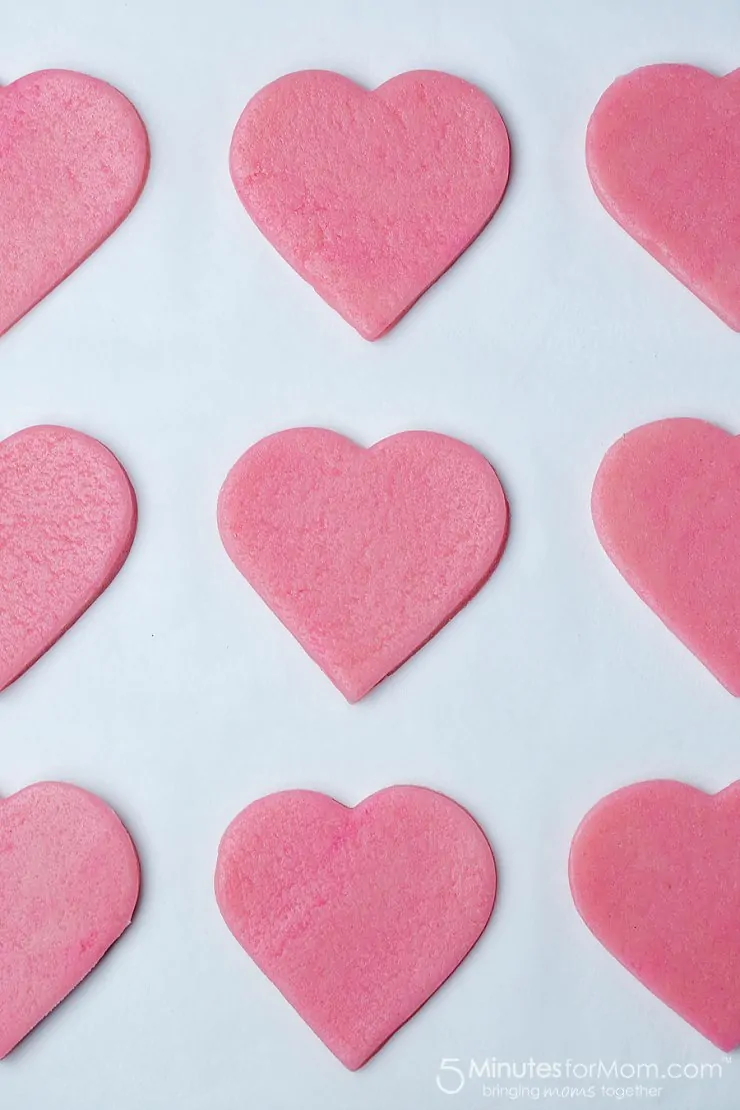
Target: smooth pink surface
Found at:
363, 554
356, 915
666, 506
370, 196
74, 156
69, 882
655, 874
67, 522
663, 152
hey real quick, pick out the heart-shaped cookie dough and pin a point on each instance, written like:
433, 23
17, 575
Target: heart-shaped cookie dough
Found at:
356, 915
74, 156
666, 507
363, 554
663, 152
370, 196
69, 883
67, 522
655, 874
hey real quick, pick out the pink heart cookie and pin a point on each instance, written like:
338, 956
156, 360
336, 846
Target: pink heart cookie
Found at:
67, 522
655, 874
666, 506
363, 554
356, 915
69, 883
74, 156
370, 196
663, 153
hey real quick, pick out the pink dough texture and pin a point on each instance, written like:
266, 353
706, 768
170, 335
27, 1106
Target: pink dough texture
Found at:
663, 152
363, 554
370, 196
356, 915
666, 506
74, 156
69, 882
67, 522
655, 874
